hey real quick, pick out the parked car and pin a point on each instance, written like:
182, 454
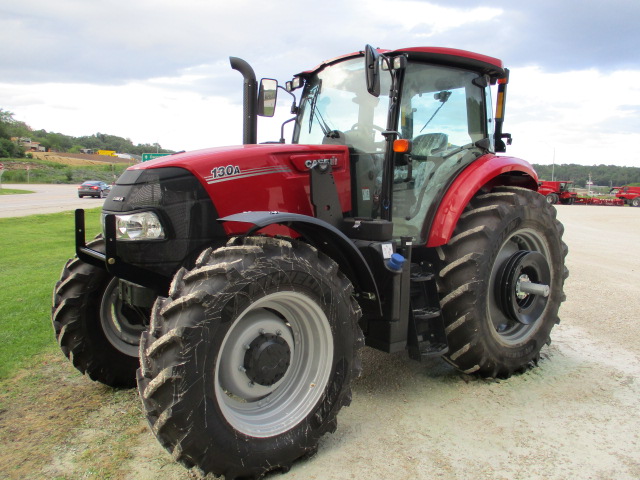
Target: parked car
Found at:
94, 188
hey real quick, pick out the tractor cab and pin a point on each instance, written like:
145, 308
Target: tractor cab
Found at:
412, 119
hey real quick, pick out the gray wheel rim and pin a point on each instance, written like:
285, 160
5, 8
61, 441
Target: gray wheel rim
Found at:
265, 411
122, 334
506, 330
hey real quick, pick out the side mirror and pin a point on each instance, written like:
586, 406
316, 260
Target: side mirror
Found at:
267, 96
372, 70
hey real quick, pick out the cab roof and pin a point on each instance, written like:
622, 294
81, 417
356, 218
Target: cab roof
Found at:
437, 55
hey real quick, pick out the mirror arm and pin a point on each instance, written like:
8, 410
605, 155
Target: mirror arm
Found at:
282, 128
294, 107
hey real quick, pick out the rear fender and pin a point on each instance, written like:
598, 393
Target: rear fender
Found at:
329, 240
487, 172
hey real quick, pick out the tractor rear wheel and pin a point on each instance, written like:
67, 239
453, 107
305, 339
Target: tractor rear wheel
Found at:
501, 282
249, 360
95, 329
635, 202
552, 198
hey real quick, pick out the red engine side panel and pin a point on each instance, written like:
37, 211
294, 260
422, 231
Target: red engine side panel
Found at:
271, 177
480, 173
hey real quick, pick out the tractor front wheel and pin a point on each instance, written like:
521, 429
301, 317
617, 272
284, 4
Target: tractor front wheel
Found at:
501, 282
95, 329
249, 360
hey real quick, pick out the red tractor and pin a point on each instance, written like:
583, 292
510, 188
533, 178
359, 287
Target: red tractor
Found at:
557, 192
630, 195
238, 284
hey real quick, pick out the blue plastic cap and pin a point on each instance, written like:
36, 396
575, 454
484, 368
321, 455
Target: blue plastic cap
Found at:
396, 262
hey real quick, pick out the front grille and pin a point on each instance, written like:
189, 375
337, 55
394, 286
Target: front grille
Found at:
145, 195
184, 207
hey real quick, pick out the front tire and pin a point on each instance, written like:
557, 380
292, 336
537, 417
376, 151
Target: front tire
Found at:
506, 242
249, 360
94, 328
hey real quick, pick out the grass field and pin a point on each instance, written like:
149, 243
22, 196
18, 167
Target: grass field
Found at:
13, 191
46, 171
34, 250
55, 424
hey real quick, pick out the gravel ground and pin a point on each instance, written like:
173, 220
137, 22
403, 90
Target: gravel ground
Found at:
576, 416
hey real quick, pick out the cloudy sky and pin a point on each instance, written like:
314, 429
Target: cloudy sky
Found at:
158, 70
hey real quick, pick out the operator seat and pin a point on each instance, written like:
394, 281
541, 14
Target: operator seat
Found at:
407, 194
428, 144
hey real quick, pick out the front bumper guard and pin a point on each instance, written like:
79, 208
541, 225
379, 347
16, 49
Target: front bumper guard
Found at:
111, 262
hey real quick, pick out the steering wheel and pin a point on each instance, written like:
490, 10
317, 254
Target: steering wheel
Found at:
356, 126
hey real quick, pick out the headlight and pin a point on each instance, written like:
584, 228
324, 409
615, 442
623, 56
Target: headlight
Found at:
139, 226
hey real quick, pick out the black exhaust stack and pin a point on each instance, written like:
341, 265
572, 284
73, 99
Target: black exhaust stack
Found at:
249, 100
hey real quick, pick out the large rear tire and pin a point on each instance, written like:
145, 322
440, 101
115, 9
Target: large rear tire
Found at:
95, 330
506, 244
249, 360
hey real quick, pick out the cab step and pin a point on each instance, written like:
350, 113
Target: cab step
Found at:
426, 326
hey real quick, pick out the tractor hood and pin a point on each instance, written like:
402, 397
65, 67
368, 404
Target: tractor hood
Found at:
273, 177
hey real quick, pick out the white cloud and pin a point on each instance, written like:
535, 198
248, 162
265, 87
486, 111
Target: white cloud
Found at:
587, 117
158, 71
144, 112
432, 19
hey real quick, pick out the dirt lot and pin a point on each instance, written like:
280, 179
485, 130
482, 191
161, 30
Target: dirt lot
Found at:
576, 416
77, 159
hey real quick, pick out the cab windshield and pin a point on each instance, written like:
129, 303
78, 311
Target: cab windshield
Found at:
336, 108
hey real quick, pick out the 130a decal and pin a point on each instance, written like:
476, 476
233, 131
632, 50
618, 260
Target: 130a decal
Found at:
220, 172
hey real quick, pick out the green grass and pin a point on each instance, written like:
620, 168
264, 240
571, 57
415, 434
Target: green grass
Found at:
13, 191
43, 171
34, 250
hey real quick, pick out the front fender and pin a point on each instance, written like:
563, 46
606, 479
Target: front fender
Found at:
329, 240
488, 170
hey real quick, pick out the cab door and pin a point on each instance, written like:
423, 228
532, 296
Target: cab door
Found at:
444, 112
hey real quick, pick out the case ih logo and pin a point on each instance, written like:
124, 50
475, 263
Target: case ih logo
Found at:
333, 161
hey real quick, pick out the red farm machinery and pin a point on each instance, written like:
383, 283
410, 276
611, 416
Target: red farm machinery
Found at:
557, 191
629, 195
236, 285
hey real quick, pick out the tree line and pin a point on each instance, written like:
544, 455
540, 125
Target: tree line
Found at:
604, 175
58, 142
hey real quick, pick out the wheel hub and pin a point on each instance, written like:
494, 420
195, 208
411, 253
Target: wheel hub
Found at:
121, 323
267, 359
523, 286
